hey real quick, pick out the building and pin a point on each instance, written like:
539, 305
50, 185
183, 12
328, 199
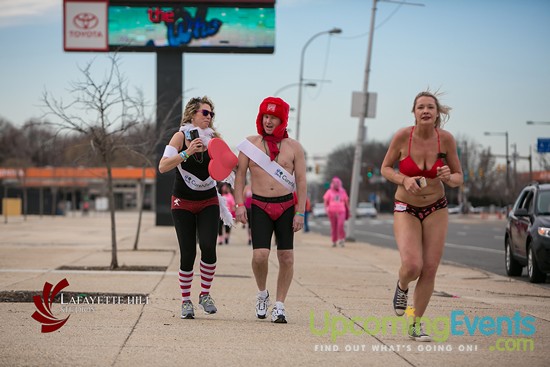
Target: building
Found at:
55, 190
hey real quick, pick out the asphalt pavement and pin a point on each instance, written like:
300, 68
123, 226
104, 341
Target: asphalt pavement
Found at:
338, 308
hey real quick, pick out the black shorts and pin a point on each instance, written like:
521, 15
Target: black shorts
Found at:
262, 225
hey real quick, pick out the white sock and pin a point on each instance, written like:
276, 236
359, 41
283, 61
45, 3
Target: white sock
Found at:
280, 305
263, 294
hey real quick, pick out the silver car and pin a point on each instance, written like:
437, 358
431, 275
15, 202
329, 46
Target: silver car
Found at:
318, 210
365, 209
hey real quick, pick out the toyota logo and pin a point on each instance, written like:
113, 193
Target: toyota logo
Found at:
85, 21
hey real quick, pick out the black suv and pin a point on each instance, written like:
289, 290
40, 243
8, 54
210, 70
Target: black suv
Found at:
527, 239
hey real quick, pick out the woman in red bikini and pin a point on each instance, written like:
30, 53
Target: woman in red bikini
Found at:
428, 158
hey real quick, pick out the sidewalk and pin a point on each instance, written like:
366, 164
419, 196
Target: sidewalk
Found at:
331, 286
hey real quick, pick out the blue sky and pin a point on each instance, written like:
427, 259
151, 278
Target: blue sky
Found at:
490, 57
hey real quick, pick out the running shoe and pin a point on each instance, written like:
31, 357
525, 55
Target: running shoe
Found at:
261, 306
278, 315
187, 310
400, 300
342, 243
416, 332
207, 304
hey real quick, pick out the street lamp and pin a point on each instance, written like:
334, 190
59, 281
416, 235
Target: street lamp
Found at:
537, 122
505, 134
301, 80
309, 84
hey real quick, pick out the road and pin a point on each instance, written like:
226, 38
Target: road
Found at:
471, 241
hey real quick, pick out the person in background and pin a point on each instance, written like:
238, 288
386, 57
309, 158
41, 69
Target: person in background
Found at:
427, 159
306, 211
224, 230
248, 206
337, 207
306, 215
194, 202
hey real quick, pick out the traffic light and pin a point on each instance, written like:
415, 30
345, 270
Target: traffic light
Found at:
369, 171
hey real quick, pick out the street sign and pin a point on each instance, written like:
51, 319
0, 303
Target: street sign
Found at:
543, 145
358, 101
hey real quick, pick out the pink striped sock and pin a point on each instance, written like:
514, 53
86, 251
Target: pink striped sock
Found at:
207, 275
185, 278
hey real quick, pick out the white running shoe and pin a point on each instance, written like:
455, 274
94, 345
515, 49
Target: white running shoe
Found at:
278, 315
261, 306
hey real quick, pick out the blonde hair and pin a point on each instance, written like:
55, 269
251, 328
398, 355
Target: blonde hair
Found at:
191, 109
442, 110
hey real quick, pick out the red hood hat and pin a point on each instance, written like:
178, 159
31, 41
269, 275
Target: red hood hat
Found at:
277, 107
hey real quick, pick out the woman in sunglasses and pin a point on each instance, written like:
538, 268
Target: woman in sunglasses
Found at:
195, 206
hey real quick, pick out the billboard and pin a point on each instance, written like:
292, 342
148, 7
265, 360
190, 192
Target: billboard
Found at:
181, 26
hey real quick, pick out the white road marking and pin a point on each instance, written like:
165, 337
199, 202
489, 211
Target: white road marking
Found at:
447, 244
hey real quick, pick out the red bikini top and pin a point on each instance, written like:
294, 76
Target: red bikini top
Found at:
408, 167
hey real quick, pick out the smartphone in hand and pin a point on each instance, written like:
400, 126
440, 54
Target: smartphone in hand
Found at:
421, 182
193, 134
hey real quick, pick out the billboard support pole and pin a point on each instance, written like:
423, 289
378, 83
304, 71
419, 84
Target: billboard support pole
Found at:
169, 109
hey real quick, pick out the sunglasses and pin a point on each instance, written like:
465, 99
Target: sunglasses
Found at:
206, 113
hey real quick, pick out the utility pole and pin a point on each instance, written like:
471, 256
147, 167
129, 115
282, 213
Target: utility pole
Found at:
361, 131
361, 136
515, 159
530, 164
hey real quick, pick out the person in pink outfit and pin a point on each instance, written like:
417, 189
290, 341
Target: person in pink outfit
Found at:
337, 206
224, 231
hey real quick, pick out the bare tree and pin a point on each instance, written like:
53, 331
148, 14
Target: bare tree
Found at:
143, 144
543, 161
340, 162
102, 110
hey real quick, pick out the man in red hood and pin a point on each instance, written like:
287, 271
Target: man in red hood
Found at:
277, 169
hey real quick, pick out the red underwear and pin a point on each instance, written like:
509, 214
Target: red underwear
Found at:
193, 206
274, 210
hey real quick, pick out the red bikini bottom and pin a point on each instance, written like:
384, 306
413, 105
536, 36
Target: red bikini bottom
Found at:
274, 207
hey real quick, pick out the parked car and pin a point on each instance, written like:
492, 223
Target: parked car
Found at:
365, 209
455, 209
527, 238
318, 210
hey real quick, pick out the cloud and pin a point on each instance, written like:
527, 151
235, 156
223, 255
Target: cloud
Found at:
25, 11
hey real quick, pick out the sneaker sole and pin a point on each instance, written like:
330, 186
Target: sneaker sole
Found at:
280, 320
188, 317
206, 312
399, 312
421, 338
261, 316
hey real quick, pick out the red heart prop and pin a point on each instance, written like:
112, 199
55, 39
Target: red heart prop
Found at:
222, 159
